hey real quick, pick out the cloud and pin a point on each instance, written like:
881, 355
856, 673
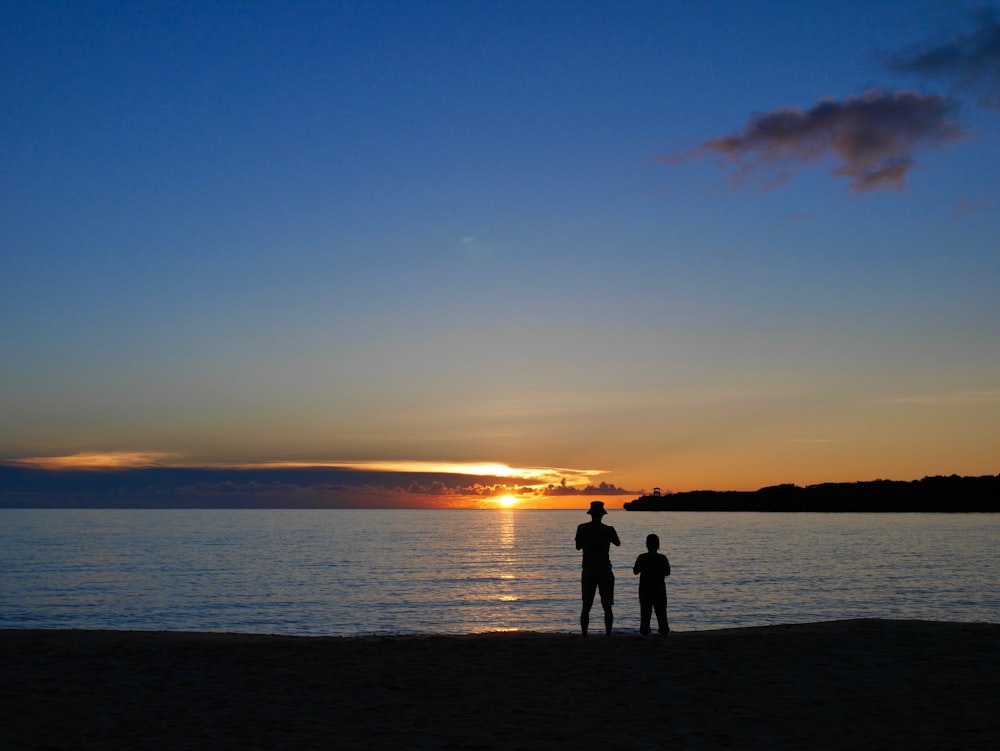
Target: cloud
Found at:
970, 205
950, 398
52, 482
490, 469
97, 460
603, 488
872, 136
110, 460
971, 61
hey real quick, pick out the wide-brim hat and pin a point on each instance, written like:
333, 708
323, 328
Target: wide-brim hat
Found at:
597, 508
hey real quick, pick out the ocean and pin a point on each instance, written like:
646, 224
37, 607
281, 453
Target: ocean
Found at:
360, 572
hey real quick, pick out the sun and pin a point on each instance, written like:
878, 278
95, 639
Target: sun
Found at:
506, 501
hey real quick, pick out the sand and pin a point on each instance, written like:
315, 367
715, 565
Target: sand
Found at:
860, 684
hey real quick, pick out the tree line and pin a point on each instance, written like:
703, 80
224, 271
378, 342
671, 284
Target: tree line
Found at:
952, 494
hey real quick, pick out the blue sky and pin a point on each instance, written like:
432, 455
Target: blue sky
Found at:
505, 232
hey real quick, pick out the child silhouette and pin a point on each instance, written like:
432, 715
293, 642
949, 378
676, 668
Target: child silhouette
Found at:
652, 568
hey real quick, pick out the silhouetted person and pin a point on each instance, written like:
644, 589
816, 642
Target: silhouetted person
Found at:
595, 539
652, 569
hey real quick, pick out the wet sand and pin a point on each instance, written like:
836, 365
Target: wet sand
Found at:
861, 684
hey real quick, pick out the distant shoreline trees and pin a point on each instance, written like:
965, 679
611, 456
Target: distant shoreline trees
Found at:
951, 494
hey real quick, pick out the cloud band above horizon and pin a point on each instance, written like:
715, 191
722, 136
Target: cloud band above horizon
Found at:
146, 480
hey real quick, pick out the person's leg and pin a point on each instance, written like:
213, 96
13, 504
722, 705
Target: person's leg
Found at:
607, 586
589, 589
661, 616
645, 612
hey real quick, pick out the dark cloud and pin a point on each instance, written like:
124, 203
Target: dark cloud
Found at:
179, 487
603, 488
970, 61
873, 137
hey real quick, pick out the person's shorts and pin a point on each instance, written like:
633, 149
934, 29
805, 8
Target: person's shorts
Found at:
598, 580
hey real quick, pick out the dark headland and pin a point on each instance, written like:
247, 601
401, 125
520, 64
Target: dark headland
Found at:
952, 494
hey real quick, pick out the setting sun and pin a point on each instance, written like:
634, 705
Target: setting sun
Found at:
506, 501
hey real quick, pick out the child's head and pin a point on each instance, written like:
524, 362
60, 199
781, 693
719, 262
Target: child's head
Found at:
652, 543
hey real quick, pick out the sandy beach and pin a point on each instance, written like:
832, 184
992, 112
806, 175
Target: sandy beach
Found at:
864, 684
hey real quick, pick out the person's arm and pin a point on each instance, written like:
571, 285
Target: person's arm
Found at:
579, 544
614, 537
636, 568
666, 566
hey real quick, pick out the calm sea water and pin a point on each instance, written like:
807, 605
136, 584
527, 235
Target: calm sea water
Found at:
389, 572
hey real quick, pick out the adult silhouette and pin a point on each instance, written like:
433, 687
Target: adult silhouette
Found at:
595, 539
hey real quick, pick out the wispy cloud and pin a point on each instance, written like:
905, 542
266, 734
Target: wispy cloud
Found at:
478, 469
873, 137
97, 460
971, 205
985, 396
140, 459
969, 61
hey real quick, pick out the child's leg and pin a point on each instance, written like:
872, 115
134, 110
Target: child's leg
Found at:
661, 616
645, 613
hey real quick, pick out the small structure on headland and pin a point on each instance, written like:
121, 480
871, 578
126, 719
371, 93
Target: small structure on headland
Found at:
653, 502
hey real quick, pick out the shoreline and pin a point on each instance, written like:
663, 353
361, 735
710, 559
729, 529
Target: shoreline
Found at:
829, 685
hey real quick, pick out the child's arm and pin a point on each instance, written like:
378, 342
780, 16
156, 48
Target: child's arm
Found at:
636, 568
666, 566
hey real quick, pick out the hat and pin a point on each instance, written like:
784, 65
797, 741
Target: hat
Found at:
597, 508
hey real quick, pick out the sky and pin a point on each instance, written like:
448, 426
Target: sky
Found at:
438, 253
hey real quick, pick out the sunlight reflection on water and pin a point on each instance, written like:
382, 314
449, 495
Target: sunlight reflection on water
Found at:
362, 572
